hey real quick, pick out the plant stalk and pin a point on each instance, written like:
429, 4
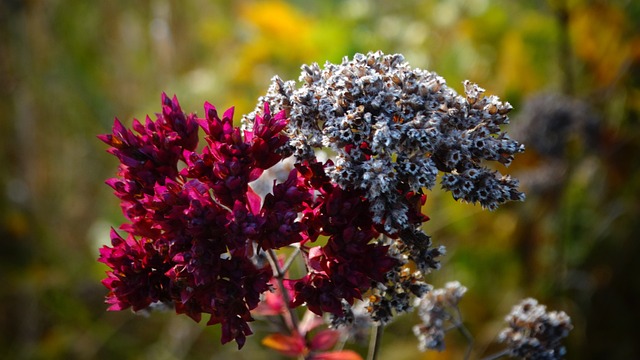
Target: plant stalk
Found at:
278, 273
374, 343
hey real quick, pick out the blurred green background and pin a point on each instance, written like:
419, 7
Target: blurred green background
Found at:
570, 68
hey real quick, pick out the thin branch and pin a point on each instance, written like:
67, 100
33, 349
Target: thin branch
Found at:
278, 273
464, 331
290, 260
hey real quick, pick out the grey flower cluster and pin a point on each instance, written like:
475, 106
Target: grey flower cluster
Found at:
402, 285
534, 333
393, 127
433, 310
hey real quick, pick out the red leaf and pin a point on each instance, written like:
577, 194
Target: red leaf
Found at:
337, 355
292, 346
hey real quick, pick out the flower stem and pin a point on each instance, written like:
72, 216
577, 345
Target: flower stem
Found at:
290, 260
278, 273
374, 343
464, 331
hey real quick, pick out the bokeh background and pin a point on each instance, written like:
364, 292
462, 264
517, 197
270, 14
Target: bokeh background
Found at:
571, 69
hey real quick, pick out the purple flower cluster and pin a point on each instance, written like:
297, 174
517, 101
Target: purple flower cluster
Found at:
193, 217
347, 266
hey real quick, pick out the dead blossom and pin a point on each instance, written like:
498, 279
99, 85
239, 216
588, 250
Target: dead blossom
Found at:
434, 312
396, 127
535, 333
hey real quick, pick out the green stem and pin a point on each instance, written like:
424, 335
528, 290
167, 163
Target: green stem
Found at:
374, 344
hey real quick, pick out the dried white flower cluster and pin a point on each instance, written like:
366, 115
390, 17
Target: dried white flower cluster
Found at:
434, 313
534, 333
402, 285
393, 128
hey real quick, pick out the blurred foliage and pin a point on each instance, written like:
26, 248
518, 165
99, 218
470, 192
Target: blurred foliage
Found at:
68, 67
